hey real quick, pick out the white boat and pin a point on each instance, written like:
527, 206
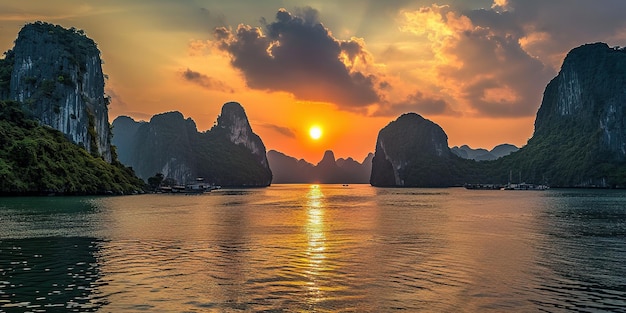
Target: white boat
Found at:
525, 186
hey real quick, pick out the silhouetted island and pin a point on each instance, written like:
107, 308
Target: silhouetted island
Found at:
288, 169
229, 154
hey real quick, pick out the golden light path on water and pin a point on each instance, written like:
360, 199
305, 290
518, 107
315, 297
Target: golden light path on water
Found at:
316, 248
315, 229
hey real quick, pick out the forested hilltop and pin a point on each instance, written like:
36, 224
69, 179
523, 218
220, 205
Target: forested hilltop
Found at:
54, 130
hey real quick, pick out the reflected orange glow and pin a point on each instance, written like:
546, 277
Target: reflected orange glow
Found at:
315, 230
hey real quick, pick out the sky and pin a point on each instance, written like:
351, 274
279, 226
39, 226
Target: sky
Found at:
477, 68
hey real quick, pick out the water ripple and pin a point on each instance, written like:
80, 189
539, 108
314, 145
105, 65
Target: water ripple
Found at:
319, 249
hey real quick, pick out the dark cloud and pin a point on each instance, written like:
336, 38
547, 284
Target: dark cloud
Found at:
417, 103
568, 24
498, 78
513, 51
297, 54
206, 81
285, 131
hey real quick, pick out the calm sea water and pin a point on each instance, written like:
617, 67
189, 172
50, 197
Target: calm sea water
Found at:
309, 248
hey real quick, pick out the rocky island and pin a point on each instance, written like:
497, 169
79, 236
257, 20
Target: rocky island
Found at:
54, 117
229, 154
579, 138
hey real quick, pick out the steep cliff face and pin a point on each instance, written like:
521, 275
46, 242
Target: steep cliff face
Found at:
588, 95
124, 144
57, 75
580, 131
411, 151
579, 138
230, 154
164, 145
234, 119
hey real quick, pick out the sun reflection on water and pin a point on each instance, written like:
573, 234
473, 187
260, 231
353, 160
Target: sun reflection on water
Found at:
315, 231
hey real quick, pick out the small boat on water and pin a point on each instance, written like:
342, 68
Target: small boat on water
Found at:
525, 186
198, 187
483, 186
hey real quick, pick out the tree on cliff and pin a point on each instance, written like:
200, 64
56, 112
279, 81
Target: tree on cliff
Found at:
155, 181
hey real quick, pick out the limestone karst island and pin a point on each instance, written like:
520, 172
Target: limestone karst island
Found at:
56, 137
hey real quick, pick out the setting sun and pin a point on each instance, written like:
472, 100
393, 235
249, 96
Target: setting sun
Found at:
315, 132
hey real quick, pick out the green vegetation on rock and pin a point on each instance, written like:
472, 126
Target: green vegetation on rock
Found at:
36, 159
579, 139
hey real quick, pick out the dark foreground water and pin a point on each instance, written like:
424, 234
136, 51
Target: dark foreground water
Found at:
307, 248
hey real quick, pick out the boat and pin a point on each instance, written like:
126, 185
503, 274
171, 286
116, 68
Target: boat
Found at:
525, 186
522, 186
483, 186
198, 187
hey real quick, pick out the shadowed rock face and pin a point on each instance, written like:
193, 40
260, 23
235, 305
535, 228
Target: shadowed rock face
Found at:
411, 151
230, 154
57, 75
234, 119
588, 94
579, 138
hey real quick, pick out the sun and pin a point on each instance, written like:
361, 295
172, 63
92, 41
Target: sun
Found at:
315, 132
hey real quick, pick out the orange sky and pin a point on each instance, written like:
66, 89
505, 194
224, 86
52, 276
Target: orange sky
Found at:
477, 68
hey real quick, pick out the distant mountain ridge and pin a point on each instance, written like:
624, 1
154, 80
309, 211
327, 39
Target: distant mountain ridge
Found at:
481, 154
229, 154
287, 170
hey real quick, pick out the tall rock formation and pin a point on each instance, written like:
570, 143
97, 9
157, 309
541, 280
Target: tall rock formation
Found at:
327, 171
230, 154
57, 75
124, 144
412, 151
233, 118
579, 138
588, 95
164, 145
580, 130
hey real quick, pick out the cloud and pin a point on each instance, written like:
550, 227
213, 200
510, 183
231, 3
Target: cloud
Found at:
417, 103
297, 54
115, 98
496, 62
285, 131
552, 28
482, 65
206, 82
